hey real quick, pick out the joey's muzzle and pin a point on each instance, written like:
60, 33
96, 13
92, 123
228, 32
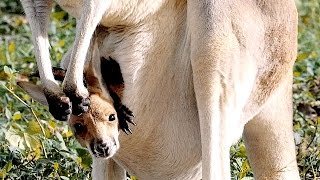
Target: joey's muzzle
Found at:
103, 148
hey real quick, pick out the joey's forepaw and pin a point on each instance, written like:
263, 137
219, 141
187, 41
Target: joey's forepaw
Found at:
125, 116
59, 106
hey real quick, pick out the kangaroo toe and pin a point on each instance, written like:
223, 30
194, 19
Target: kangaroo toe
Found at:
59, 107
80, 105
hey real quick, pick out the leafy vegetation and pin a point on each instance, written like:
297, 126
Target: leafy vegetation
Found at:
32, 144
35, 146
307, 90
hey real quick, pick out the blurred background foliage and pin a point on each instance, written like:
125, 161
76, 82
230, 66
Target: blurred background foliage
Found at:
35, 146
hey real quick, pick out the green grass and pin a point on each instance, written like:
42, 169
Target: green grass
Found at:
35, 146
32, 144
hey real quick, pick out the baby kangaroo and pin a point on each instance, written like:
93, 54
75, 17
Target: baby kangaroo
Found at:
98, 128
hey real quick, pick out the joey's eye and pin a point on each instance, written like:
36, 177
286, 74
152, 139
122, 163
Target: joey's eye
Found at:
79, 128
112, 117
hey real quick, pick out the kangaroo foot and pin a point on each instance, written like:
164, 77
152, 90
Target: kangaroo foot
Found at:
59, 105
80, 101
80, 104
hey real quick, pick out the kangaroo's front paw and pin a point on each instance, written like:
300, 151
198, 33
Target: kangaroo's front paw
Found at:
59, 105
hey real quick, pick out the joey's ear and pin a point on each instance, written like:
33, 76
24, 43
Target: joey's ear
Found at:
35, 91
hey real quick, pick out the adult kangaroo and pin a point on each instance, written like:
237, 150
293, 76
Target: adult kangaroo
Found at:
197, 75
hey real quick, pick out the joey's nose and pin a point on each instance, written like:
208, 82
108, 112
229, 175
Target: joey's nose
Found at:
101, 148
103, 145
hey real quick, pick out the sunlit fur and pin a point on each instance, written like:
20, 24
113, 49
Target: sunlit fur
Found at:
197, 75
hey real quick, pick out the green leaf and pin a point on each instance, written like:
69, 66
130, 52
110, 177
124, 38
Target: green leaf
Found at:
11, 47
55, 166
62, 143
9, 166
8, 114
64, 177
31, 142
7, 70
296, 74
3, 173
86, 161
245, 168
61, 43
242, 151
16, 116
302, 56
33, 127
58, 15
14, 139
52, 123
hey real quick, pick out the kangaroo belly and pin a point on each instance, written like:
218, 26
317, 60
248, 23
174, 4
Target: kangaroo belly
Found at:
166, 143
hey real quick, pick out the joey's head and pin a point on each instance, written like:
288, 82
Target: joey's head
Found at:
97, 129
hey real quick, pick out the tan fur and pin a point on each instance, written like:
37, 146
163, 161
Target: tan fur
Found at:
197, 74
96, 121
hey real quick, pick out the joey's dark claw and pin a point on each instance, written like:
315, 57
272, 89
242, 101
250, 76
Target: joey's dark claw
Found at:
124, 125
132, 122
129, 120
127, 110
129, 130
124, 116
128, 113
126, 129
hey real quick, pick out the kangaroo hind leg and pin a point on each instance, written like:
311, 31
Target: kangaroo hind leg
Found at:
37, 12
269, 139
